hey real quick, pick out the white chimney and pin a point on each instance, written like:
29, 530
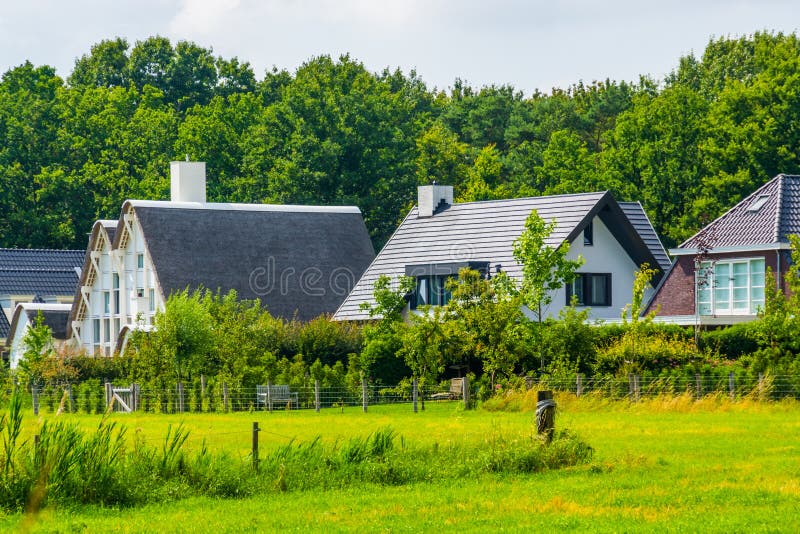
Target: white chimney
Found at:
187, 181
431, 197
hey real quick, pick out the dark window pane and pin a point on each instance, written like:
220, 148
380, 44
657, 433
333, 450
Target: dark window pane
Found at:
588, 234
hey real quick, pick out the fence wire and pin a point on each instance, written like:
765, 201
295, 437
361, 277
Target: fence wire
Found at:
221, 397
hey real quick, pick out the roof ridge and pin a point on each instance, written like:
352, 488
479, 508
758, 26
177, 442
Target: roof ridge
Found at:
586, 193
63, 250
38, 269
776, 233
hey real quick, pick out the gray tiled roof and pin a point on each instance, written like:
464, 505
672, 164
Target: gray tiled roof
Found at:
301, 261
42, 259
4, 326
771, 223
636, 214
37, 282
39, 271
479, 231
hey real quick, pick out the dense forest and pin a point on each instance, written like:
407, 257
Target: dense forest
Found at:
687, 147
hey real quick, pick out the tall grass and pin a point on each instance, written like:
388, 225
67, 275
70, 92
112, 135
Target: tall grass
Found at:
67, 465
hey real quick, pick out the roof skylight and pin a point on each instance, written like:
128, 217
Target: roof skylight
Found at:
758, 203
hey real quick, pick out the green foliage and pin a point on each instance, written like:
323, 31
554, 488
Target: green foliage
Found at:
332, 132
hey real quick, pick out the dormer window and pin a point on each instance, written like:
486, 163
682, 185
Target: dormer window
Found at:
588, 234
758, 203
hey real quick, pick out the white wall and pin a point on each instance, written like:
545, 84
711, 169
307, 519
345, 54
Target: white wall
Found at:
17, 346
605, 256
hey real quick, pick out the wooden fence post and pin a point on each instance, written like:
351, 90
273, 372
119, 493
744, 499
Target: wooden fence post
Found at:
579, 385
465, 392
637, 388
545, 415
698, 386
760, 386
203, 385
414, 393
225, 396
70, 399
269, 395
364, 394
180, 396
35, 393
732, 386
108, 394
255, 445
316, 395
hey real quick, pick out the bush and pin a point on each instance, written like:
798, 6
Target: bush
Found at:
732, 342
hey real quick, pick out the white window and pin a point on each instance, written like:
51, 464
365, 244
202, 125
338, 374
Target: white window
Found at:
96, 332
152, 299
140, 261
731, 287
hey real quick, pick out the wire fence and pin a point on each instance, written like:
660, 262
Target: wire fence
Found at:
202, 397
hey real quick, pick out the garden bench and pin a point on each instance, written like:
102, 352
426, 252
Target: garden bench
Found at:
276, 394
456, 390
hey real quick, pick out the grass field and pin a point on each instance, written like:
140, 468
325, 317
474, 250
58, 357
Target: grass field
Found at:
670, 464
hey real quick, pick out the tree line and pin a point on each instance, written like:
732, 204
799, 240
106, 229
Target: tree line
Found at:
688, 146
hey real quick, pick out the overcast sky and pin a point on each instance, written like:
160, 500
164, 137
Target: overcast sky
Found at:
533, 44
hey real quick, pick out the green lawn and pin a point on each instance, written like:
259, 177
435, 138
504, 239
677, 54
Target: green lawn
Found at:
661, 465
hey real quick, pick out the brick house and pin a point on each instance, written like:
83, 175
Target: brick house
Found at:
718, 276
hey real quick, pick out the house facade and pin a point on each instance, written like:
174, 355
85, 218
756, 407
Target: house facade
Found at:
43, 275
300, 261
719, 274
438, 237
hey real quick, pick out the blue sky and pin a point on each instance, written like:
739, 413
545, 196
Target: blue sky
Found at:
533, 44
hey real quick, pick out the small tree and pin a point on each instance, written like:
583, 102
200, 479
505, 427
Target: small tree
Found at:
545, 268
382, 338
641, 282
38, 346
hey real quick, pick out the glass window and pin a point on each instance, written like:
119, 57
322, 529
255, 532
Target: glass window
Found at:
431, 291
107, 330
140, 261
588, 234
591, 289
96, 330
106, 302
152, 299
738, 287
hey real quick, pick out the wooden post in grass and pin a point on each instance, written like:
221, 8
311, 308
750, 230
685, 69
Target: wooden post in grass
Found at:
760, 386
545, 414
35, 393
414, 394
316, 395
225, 396
269, 395
108, 394
579, 385
465, 392
732, 386
364, 401
698, 386
255, 445
203, 385
637, 388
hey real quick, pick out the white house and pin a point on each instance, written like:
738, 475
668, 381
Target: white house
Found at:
438, 237
54, 316
301, 261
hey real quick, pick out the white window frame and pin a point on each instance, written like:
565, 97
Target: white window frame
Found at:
710, 286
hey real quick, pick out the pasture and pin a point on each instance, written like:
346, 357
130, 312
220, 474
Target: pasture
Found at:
662, 464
